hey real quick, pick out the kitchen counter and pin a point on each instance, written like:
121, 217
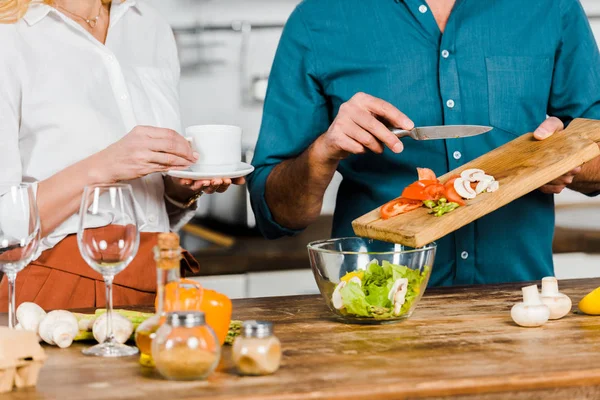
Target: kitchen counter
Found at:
459, 344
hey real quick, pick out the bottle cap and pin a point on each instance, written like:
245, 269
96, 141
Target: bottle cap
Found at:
188, 319
257, 329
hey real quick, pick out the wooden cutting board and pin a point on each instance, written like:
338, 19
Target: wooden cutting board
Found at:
520, 166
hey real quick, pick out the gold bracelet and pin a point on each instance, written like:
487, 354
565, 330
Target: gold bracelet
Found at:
187, 204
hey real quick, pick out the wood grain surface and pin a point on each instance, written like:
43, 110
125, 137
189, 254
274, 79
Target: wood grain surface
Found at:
520, 166
460, 344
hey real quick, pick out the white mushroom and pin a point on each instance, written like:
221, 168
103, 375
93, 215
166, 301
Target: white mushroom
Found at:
356, 280
122, 328
558, 303
59, 327
29, 316
470, 175
495, 185
336, 298
531, 312
464, 189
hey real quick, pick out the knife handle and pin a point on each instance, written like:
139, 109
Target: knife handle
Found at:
401, 133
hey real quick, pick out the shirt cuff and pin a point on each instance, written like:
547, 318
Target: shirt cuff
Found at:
267, 225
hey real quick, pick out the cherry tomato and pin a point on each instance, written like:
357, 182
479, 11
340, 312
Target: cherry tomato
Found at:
399, 206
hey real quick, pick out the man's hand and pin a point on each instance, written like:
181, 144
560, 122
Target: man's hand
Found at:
544, 131
357, 128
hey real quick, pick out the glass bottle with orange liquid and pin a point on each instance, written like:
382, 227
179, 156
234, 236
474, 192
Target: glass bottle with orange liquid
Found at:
167, 254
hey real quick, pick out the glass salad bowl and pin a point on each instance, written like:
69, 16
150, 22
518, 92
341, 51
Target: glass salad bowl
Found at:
367, 281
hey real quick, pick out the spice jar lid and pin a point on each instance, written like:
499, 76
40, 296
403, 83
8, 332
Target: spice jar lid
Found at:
186, 319
257, 329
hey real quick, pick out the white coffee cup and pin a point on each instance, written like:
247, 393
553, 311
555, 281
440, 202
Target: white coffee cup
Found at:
219, 147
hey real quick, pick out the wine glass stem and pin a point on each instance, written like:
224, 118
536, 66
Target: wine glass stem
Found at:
12, 316
110, 337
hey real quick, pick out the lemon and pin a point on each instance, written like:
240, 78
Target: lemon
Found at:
590, 304
359, 274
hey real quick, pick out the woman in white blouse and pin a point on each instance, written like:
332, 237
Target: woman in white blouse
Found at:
88, 94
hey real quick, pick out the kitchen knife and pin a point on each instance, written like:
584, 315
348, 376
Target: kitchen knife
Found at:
442, 132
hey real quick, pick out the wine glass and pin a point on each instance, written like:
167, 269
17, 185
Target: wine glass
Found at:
19, 235
108, 240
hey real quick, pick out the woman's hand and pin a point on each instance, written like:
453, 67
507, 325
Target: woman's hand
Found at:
182, 189
143, 151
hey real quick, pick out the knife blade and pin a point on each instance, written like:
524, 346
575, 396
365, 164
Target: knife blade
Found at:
442, 132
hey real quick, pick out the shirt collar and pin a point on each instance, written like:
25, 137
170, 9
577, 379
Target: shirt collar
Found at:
38, 11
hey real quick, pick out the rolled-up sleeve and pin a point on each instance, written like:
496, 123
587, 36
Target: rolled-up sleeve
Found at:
295, 114
10, 110
576, 83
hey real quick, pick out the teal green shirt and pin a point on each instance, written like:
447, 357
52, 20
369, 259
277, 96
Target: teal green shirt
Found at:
504, 63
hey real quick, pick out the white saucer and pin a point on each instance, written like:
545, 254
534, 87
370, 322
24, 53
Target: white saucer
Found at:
242, 169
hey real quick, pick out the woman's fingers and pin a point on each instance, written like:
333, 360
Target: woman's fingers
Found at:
170, 142
167, 161
224, 186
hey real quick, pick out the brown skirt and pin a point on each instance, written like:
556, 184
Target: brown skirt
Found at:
61, 279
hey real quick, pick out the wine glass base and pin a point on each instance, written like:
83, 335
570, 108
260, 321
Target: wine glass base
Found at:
110, 350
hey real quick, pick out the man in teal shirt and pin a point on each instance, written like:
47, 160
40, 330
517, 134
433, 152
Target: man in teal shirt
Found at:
344, 65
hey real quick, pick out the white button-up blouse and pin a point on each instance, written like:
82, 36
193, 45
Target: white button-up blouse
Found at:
65, 96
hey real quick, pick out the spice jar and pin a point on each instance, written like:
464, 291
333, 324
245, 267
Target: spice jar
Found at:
257, 351
185, 348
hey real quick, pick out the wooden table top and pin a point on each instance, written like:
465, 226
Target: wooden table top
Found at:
459, 344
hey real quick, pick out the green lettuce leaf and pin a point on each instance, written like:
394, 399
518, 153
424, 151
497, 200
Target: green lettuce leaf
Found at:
354, 300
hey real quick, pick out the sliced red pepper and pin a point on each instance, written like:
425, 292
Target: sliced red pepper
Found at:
399, 206
425, 174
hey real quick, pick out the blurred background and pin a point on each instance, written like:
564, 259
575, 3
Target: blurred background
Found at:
226, 48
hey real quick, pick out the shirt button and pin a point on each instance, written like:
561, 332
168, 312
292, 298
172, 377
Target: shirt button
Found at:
422, 8
445, 53
464, 255
152, 218
123, 97
457, 155
450, 103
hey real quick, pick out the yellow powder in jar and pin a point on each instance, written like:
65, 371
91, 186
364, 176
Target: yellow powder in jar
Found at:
183, 363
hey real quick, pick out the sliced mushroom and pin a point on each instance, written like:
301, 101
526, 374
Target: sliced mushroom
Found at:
464, 189
494, 185
400, 296
471, 175
397, 287
356, 280
484, 183
397, 294
336, 297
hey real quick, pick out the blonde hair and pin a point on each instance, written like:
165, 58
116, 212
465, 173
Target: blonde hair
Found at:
13, 10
